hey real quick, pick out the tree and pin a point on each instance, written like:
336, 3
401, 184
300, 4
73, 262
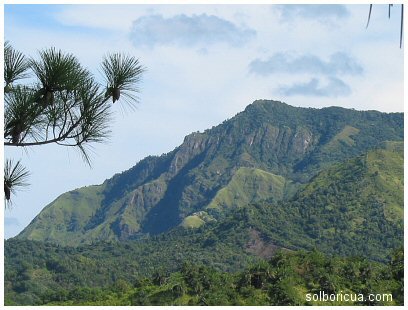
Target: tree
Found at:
63, 103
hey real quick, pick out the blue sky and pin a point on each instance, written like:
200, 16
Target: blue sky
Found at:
204, 63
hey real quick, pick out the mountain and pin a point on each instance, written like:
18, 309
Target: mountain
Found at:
271, 151
269, 183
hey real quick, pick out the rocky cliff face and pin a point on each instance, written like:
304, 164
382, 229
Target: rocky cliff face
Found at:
282, 145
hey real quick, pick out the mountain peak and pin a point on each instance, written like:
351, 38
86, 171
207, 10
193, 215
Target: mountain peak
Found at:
267, 105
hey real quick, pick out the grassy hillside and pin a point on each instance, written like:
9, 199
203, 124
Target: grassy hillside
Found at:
71, 211
249, 185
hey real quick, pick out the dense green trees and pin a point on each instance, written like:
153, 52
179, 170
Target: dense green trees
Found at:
283, 280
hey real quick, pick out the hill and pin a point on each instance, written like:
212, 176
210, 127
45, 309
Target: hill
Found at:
267, 152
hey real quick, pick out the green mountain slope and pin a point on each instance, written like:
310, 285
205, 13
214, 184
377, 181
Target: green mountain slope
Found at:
249, 185
263, 153
351, 208
68, 213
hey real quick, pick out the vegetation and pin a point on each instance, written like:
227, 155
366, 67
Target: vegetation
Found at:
345, 210
352, 208
63, 103
192, 221
283, 280
249, 185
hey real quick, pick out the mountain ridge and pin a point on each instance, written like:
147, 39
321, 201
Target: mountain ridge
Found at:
159, 192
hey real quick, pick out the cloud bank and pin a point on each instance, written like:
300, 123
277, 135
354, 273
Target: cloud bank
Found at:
334, 88
183, 30
338, 63
317, 12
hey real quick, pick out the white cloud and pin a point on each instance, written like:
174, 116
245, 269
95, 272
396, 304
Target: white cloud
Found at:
323, 13
188, 31
334, 88
338, 63
107, 17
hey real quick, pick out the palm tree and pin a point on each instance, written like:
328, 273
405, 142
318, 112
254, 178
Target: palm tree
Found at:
64, 105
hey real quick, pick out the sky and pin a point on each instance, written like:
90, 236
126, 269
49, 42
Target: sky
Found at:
204, 64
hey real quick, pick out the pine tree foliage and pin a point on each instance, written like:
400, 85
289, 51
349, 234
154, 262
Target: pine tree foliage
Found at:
63, 102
